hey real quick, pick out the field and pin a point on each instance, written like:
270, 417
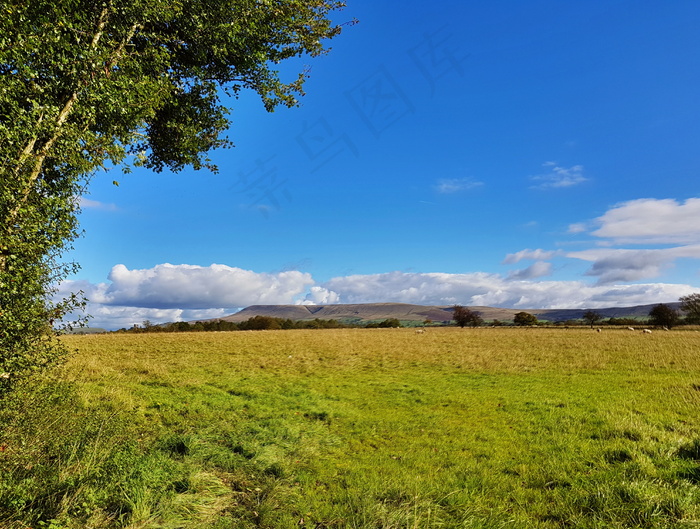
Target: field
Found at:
360, 428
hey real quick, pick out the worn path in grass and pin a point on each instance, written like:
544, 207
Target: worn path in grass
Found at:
392, 429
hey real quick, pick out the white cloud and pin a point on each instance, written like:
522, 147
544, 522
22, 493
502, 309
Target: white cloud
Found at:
320, 296
537, 255
111, 317
578, 227
105, 315
86, 203
613, 265
537, 269
645, 221
483, 289
648, 220
169, 292
455, 185
625, 265
558, 177
201, 287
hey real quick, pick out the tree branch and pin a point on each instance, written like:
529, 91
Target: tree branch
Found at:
40, 156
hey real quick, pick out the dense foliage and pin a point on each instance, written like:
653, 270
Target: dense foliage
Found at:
591, 317
389, 323
663, 316
524, 319
466, 317
256, 323
690, 305
86, 85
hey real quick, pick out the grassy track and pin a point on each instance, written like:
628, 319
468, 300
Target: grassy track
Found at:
359, 428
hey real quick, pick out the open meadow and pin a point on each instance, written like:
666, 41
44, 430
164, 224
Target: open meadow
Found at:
360, 428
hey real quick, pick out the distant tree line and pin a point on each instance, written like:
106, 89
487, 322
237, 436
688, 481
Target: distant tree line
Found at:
660, 315
256, 323
390, 323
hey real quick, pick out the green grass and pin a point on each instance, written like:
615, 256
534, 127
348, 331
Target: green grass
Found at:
473, 428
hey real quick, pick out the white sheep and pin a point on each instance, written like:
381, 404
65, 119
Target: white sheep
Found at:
630, 328
647, 331
420, 331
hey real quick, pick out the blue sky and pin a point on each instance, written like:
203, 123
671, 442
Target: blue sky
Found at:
517, 154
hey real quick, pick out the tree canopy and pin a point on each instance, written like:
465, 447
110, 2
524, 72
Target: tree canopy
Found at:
86, 85
690, 305
466, 317
524, 319
663, 316
591, 317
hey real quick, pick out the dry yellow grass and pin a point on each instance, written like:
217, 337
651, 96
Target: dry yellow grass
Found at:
492, 349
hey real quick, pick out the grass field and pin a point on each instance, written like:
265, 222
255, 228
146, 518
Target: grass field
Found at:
360, 428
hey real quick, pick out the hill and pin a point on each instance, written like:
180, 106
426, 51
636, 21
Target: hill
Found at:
364, 312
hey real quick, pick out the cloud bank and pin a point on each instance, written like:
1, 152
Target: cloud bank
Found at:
201, 287
482, 289
651, 221
187, 292
168, 292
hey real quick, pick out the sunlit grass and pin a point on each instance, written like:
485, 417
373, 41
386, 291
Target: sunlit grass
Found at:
363, 429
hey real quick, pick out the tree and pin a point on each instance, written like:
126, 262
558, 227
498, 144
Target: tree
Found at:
466, 317
663, 316
86, 85
524, 319
690, 305
591, 317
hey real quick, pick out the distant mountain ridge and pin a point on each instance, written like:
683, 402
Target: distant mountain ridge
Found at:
363, 312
